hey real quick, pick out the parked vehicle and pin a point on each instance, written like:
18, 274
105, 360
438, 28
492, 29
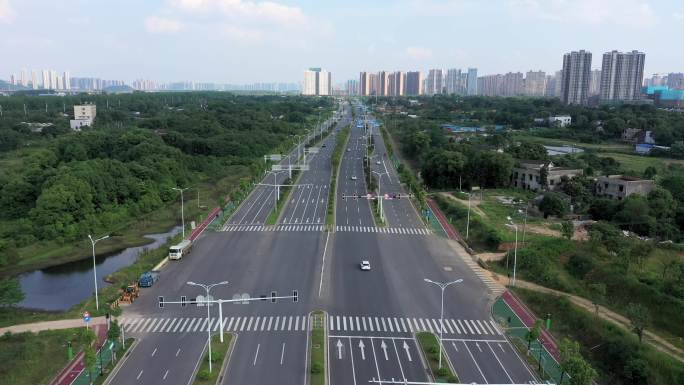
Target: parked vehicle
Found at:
180, 250
148, 279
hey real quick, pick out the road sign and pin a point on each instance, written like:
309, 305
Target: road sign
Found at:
86, 317
276, 167
273, 157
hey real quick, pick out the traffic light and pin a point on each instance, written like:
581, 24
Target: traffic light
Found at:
273, 297
295, 294
161, 302
183, 300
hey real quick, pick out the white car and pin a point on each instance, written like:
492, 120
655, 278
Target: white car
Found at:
378, 162
353, 177
365, 265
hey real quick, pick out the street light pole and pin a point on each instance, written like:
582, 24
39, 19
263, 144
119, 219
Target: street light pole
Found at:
182, 208
93, 242
207, 288
515, 251
442, 285
468, 220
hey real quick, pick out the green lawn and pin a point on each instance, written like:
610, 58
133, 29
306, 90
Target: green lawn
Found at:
219, 354
317, 350
636, 164
34, 358
608, 146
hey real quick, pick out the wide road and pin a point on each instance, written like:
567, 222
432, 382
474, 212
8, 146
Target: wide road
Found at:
372, 315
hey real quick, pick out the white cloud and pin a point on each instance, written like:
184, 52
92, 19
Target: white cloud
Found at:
678, 16
155, 24
7, 13
634, 13
261, 11
418, 53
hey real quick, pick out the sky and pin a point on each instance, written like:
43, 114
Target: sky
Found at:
245, 41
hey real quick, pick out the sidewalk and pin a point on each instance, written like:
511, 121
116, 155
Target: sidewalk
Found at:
71, 372
448, 228
529, 319
50, 325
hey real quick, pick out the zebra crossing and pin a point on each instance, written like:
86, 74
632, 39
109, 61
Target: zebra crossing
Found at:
320, 228
302, 323
230, 324
495, 287
457, 327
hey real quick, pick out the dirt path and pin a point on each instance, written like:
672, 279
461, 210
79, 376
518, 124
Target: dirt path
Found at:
650, 338
474, 203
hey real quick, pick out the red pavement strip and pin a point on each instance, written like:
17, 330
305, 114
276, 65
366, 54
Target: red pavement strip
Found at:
74, 368
529, 319
451, 233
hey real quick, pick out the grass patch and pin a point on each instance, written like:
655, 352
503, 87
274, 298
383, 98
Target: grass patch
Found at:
636, 164
219, 355
379, 222
430, 345
285, 192
613, 352
317, 349
34, 358
335, 160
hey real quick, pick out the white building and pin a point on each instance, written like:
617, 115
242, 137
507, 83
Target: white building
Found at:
84, 115
317, 82
560, 121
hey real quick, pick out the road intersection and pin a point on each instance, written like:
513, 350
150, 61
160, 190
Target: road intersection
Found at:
372, 316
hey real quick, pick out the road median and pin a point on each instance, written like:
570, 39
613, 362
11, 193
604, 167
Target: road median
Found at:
336, 162
220, 353
318, 358
429, 345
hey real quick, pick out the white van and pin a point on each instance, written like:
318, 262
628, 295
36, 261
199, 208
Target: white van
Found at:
179, 250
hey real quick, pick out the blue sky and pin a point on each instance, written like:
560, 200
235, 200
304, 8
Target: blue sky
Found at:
241, 41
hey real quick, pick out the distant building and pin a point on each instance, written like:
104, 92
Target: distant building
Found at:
622, 75
576, 75
630, 134
414, 81
352, 87
560, 121
489, 85
595, 83
383, 83
535, 83
396, 83
471, 81
527, 175
665, 97
84, 115
621, 186
434, 82
512, 84
675, 81
646, 148
645, 137
455, 83
317, 82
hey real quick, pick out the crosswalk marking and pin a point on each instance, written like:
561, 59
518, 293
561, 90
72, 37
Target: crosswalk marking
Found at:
463, 327
321, 228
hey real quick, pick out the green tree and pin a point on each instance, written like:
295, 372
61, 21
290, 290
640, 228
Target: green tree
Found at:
567, 229
90, 361
114, 330
597, 292
639, 317
10, 292
553, 204
534, 333
573, 364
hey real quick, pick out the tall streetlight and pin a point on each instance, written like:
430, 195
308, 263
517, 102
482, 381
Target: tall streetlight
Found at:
182, 208
515, 252
93, 242
468, 220
380, 174
442, 285
207, 288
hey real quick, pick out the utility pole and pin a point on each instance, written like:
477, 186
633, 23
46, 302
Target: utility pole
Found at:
93, 242
441, 317
182, 208
207, 288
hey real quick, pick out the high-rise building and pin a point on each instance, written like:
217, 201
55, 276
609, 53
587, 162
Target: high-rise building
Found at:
364, 84
452, 82
595, 83
46, 79
397, 83
490, 85
383, 83
622, 75
414, 83
675, 81
434, 83
535, 83
550, 91
352, 87
23, 79
34, 80
317, 82
575, 78
374, 86
471, 81
66, 81
512, 84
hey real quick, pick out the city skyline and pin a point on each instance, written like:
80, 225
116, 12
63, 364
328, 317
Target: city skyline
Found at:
237, 41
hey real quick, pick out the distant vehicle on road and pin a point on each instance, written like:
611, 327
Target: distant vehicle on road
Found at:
353, 177
148, 279
349, 149
365, 265
378, 162
180, 250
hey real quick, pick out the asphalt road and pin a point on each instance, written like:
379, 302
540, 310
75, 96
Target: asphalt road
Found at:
373, 315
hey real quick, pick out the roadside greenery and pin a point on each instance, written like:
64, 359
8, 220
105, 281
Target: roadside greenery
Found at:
317, 350
34, 358
616, 355
285, 192
336, 158
219, 357
430, 345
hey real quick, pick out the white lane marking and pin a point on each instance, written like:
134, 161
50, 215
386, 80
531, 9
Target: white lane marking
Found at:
351, 323
475, 362
282, 354
270, 319
344, 323
289, 324
499, 361
383, 346
477, 330
183, 322
296, 327
153, 352
332, 323
389, 323
375, 359
482, 327
396, 351
358, 327
256, 355
178, 352
249, 323
173, 321
165, 374
351, 354
456, 327
139, 374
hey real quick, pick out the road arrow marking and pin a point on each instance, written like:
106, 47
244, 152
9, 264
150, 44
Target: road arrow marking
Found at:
454, 345
339, 349
478, 347
406, 347
363, 353
383, 346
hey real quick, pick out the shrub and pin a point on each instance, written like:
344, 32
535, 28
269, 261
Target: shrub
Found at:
203, 375
316, 368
